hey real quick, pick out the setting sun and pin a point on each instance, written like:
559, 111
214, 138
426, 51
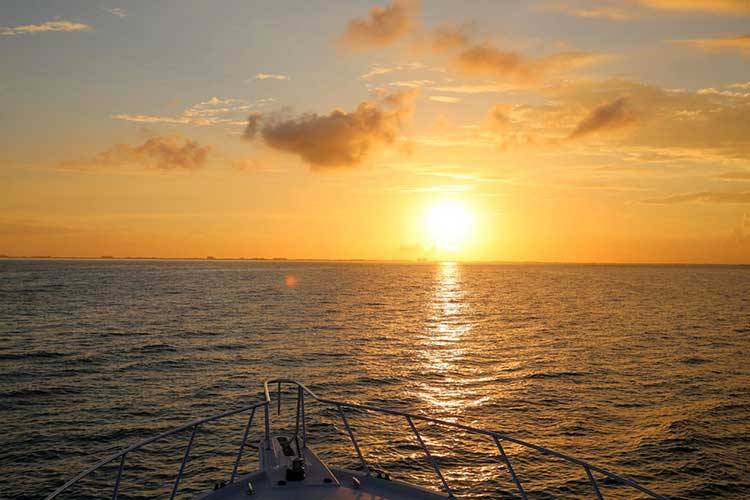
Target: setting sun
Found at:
448, 225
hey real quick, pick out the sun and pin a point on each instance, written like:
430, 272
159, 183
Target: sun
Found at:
448, 224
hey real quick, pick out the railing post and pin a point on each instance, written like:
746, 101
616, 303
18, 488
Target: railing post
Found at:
242, 446
510, 467
116, 490
593, 483
184, 462
267, 425
278, 392
429, 456
296, 418
354, 441
304, 425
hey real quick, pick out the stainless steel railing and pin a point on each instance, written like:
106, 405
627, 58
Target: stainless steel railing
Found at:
194, 425
497, 438
341, 406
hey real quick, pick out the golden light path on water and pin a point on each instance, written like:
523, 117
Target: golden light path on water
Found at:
442, 351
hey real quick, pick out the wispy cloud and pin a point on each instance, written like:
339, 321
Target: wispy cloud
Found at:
215, 111
623, 10
116, 11
740, 43
445, 99
49, 26
676, 125
158, 152
710, 6
271, 76
413, 84
379, 69
474, 88
447, 36
607, 10
703, 197
486, 59
724, 93
613, 115
735, 176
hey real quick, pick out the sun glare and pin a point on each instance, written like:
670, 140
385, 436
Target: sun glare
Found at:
448, 225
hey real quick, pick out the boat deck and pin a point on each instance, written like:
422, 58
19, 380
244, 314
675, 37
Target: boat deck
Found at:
318, 482
371, 488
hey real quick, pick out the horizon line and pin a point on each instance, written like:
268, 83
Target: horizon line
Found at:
210, 258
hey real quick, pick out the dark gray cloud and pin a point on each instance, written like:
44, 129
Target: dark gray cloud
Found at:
338, 139
253, 124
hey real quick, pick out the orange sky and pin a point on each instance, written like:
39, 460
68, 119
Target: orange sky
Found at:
578, 131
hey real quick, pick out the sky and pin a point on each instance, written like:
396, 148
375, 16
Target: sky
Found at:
491, 130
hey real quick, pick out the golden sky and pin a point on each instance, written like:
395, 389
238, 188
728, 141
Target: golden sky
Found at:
560, 130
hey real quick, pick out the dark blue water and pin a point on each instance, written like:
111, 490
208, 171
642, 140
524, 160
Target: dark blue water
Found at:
640, 369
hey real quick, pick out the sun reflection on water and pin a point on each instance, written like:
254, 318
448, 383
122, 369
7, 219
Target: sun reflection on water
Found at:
442, 351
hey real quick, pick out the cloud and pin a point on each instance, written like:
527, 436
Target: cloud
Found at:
725, 93
379, 69
253, 126
413, 84
608, 10
448, 37
116, 11
382, 26
270, 76
481, 88
158, 152
664, 125
744, 86
488, 60
445, 99
622, 10
703, 197
214, 111
499, 116
711, 6
735, 176
338, 139
610, 116
477, 59
49, 26
740, 43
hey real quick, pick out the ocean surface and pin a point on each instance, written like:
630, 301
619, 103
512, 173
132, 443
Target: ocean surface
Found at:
644, 370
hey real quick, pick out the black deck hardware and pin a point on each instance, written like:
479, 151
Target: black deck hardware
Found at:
297, 471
